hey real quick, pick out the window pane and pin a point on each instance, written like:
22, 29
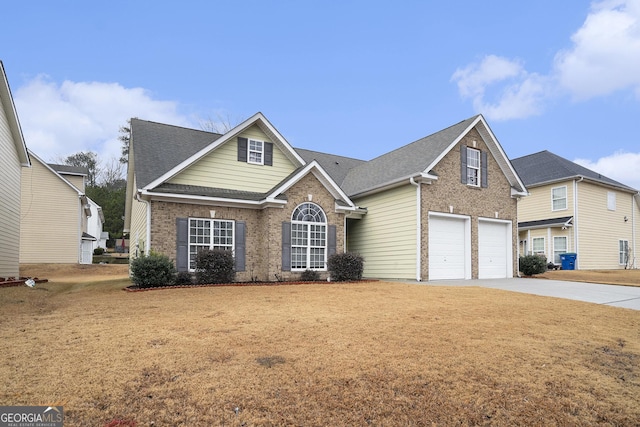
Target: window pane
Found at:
317, 258
559, 198
299, 257
559, 247
538, 245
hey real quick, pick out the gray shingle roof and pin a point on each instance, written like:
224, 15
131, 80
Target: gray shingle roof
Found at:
158, 148
336, 166
546, 167
405, 161
558, 222
71, 170
196, 190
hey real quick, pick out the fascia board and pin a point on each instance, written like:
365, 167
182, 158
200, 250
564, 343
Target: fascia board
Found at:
12, 117
290, 152
219, 201
256, 118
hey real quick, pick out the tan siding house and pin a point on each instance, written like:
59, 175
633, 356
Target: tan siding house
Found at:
13, 158
54, 217
572, 209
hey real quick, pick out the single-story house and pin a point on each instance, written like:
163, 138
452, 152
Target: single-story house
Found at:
442, 207
572, 209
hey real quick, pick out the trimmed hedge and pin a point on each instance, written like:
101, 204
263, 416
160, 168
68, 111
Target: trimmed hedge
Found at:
148, 271
345, 266
215, 266
533, 264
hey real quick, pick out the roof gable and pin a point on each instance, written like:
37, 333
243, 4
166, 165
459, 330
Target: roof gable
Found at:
65, 181
545, 167
420, 157
166, 173
6, 101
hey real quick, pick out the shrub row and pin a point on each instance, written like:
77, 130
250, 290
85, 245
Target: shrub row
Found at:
217, 266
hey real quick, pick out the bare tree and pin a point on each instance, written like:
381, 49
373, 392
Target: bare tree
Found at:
222, 124
112, 173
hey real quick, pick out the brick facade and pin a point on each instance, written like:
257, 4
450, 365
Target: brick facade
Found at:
263, 228
467, 200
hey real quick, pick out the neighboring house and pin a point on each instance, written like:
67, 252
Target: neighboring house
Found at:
13, 158
95, 222
55, 214
441, 207
572, 209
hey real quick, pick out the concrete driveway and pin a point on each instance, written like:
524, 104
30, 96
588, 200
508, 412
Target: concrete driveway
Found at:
613, 295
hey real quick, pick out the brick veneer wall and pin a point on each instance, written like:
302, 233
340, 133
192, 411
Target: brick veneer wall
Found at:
263, 228
466, 200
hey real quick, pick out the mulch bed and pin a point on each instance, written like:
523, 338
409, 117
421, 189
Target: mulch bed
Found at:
6, 282
136, 288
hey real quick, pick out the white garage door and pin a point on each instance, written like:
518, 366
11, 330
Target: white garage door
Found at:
494, 250
449, 248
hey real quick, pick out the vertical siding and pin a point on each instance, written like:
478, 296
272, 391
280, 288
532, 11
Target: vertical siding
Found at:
9, 201
600, 229
215, 169
386, 235
50, 226
537, 205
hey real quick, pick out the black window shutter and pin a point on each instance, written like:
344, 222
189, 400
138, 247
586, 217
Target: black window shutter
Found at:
182, 244
463, 164
242, 149
332, 239
268, 153
484, 171
240, 246
286, 246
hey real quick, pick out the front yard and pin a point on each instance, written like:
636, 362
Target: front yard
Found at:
371, 353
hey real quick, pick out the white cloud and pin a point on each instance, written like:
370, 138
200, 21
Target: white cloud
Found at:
62, 119
621, 166
605, 56
520, 94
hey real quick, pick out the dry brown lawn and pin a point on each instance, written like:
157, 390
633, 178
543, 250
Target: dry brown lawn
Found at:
614, 277
372, 353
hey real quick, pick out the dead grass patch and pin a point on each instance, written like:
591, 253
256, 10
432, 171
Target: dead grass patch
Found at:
356, 354
612, 277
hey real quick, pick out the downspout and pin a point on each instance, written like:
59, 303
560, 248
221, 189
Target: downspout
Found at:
419, 229
633, 227
575, 221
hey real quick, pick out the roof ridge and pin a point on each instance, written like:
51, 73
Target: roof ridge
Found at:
176, 126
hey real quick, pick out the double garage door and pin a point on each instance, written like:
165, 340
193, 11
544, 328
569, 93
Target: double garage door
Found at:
450, 248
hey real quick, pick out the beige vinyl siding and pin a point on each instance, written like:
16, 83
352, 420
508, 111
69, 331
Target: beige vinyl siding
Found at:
600, 229
138, 234
50, 227
10, 201
386, 235
635, 245
538, 204
77, 181
221, 168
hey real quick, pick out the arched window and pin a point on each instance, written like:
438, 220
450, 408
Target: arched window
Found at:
308, 238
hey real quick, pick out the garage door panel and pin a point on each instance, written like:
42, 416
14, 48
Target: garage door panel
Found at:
494, 246
447, 243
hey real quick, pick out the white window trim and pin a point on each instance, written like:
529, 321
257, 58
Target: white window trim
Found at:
249, 151
533, 251
566, 199
478, 168
211, 229
620, 252
308, 245
566, 247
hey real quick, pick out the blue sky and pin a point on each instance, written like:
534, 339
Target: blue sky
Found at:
354, 78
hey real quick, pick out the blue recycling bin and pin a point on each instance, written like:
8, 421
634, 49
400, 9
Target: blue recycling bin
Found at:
568, 261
